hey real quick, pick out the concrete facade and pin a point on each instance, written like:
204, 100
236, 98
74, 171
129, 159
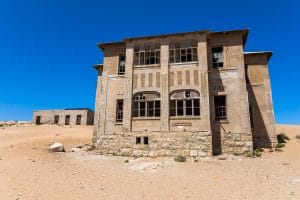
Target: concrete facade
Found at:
183, 94
82, 116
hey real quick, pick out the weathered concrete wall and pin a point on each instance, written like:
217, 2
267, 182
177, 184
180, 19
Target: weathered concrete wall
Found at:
260, 100
47, 116
232, 135
168, 136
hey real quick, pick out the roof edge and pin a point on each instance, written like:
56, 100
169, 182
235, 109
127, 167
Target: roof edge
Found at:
268, 53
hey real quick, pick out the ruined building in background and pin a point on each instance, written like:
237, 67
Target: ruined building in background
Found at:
71, 116
193, 94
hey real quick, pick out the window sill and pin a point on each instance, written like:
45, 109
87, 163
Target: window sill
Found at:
185, 117
118, 123
220, 69
145, 118
185, 63
223, 121
145, 66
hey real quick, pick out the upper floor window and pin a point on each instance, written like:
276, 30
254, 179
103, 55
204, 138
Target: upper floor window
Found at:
217, 57
148, 57
185, 103
121, 70
146, 104
182, 55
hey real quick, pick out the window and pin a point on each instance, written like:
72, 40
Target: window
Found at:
67, 120
217, 57
78, 119
220, 107
145, 140
149, 57
138, 140
182, 55
119, 112
121, 70
146, 105
56, 119
185, 103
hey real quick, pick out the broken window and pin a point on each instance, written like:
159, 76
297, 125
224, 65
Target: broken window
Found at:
149, 57
217, 57
78, 119
138, 140
185, 103
56, 119
121, 70
67, 120
220, 107
119, 112
182, 55
146, 105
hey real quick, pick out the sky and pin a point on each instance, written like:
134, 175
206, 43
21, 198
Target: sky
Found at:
48, 48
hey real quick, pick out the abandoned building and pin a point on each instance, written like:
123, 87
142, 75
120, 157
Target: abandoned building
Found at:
193, 94
74, 116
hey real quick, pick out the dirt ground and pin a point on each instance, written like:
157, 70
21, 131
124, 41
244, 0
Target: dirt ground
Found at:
29, 171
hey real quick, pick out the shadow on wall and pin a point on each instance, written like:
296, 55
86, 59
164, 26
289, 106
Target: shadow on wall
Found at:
260, 135
215, 85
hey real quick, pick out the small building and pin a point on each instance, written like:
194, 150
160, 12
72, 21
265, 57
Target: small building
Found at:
194, 94
72, 116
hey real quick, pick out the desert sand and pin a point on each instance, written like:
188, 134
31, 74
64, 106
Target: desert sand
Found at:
29, 171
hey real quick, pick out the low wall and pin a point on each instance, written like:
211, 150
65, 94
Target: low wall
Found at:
190, 144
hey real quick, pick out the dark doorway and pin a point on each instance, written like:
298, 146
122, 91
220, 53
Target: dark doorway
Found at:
78, 120
67, 120
38, 120
56, 119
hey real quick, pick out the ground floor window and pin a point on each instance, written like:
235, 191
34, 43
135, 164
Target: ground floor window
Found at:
119, 110
185, 103
78, 119
146, 105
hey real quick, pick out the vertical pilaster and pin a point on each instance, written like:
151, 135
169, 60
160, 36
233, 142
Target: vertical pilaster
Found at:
204, 87
164, 60
128, 86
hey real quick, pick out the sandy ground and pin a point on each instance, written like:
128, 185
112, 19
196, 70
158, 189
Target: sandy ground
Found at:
29, 171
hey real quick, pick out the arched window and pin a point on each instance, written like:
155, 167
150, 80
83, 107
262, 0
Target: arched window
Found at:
185, 103
146, 104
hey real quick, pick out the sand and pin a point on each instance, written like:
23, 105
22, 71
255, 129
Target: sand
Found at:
29, 171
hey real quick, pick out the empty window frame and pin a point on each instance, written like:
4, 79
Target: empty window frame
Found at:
56, 119
137, 140
121, 70
146, 105
183, 55
78, 119
119, 110
146, 140
185, 103
217, 57
149, 57
67, 120
220, 107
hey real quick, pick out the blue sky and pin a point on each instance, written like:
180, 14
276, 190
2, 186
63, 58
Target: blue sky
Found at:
47, 48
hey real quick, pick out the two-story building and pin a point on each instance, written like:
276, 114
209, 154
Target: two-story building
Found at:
193, 94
